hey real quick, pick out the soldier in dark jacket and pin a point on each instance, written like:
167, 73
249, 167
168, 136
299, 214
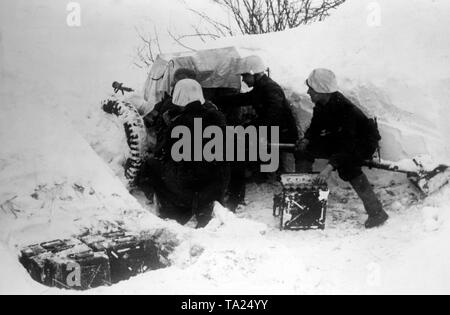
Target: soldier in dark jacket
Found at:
271, 105
272, 109
188, 188
341, 133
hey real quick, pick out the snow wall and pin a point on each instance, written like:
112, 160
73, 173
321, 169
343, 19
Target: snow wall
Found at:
391, 58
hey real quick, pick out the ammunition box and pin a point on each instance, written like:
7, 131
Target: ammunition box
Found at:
128, 253
302, 205
68, 264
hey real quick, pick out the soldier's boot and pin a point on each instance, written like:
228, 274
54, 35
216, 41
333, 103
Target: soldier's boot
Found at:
373, 206
201, 212
204, 216
234, 201
236, 192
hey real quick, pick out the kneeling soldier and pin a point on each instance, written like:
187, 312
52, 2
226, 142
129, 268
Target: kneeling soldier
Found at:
188, 188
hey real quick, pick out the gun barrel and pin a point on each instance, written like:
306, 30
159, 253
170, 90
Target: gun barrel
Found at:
284, 146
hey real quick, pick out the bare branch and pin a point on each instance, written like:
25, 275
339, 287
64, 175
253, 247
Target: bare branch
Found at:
178, 40
247, 17
149, 49
264, 16
221, 29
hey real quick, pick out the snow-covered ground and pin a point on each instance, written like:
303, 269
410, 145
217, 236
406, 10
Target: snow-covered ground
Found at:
53, 183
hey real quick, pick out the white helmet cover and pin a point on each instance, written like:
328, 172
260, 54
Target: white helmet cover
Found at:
252, 65
187, 91
322, 81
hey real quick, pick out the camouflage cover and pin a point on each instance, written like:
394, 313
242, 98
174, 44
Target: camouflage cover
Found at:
215, 68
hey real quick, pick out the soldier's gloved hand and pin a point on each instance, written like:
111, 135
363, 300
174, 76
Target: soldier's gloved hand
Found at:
323, 177
302, 144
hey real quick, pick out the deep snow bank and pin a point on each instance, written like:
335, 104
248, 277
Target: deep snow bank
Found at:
51, 180
423, 268
397, 69
54, 186
52, 183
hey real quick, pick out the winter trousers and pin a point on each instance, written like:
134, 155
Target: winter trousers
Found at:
325, 148
183, 192
350, 171
365, 192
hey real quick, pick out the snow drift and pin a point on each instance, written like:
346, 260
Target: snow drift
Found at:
53, 184
391, 58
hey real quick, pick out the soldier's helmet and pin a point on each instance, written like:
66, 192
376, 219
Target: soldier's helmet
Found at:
322, 81
187, 91
251, 65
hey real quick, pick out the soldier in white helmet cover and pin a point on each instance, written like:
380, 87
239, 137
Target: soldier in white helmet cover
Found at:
270, 104
187, 188
341, 133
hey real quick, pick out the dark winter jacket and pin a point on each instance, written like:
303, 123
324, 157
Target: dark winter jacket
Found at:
186, 179
155, 121
271, 106
345, 128
196, 171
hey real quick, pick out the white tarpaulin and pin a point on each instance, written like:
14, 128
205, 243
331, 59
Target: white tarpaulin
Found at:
215, 68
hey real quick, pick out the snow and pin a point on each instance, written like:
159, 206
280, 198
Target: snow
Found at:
397, 71
61, 154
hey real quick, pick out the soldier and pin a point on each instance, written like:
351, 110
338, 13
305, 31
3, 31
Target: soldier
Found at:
341, 133
188, 188
270, 103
